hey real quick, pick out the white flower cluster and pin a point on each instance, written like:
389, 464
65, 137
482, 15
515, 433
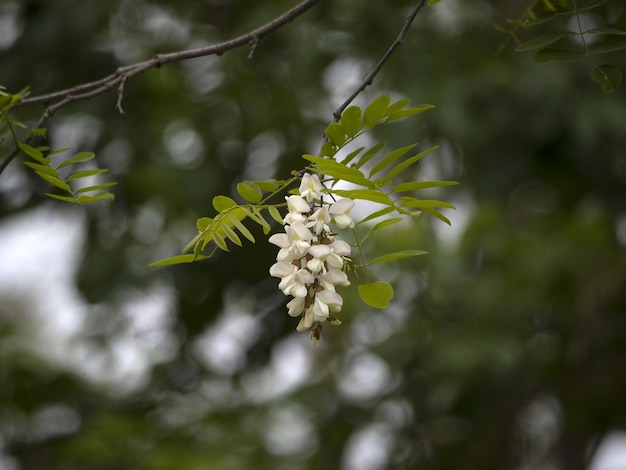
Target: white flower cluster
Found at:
311, 259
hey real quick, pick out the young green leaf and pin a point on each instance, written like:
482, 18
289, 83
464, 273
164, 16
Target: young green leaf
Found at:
63, 198
403, 113
102, 196
230, 233
365, 194
203, 223
376, 294
375, 215
34, 153
43, 169
381, 225
178, 260
375, 111
396, 106
85, 173
241, 227
219, 241
275, 214
78, 158
222, 203
96, 187
396, 256
370, 153
59, 183
351, 156
250, 191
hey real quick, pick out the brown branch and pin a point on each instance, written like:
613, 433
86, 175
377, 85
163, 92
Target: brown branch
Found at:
370, 77
56, 100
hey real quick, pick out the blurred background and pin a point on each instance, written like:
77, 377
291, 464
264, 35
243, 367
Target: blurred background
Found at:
504, 348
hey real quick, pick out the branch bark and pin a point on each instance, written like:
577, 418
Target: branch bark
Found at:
394, 45
57, 100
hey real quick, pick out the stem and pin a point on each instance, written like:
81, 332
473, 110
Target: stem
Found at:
580, 29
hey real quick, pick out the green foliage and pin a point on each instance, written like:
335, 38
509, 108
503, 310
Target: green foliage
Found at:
41, 157
376, 185
561, 43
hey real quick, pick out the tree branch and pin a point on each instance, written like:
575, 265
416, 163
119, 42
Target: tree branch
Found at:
59, 99
370, 77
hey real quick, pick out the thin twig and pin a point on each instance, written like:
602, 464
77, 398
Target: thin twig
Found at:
59, 99
370, 77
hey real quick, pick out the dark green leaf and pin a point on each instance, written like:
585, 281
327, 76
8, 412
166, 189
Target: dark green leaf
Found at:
401, 114
607, 47
396, 106
558, 55
543, 40
607, 76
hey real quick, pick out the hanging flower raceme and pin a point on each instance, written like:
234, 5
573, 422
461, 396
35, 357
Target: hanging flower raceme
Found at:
311, 259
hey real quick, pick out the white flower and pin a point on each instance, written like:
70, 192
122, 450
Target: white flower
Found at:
319, 254
297, 207
338, 250
296, 306
319, 221
293, 280
325, 301
339, 210
311, 187
332, 278
294, 243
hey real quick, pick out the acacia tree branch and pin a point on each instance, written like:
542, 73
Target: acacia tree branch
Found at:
370, 76
56, 100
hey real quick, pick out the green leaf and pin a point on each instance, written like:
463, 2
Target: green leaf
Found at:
219, 241
546, 16
370, 153
408, 201
351, 156
78, 158
178, 260
558, 55
381, 225
396, 256
222, 203
241, 227
335, 169
102, 196
230, 233
275, 214
351, 120
63, 198
407, 163
96, 187
607, 76
365, 194
58, 151
417, 185
85, 173
591, 5
396, 106
203, 223
269, 185
336, 134
329, 149
59, 183
391, 157
375, 111
375, 215
250, 191
256, 215
403, 113
376, 294
543, 40
43, 169
34, 153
